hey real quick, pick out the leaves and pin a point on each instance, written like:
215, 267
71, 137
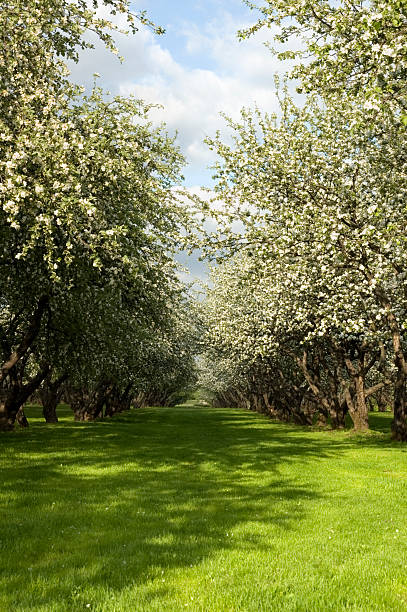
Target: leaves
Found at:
89, 216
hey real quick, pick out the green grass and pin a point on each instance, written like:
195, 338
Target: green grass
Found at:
201, 509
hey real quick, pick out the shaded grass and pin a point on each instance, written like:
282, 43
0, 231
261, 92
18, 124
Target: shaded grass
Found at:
201, 509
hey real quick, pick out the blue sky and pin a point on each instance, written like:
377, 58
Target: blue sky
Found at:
197, 70
177, 17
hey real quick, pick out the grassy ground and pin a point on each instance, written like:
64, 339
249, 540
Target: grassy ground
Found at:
201, 509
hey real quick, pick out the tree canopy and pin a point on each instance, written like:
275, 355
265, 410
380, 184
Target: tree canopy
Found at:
311, 207
89, 216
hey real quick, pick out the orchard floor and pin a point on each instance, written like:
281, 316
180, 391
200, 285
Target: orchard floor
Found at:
193, 508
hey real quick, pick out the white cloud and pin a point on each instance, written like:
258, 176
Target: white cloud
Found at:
233, 74
241, 74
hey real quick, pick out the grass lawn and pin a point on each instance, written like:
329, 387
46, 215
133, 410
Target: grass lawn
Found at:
201, 509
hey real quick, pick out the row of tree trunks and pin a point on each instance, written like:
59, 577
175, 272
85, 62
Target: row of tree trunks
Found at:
328, 400
87, 405
117, 401
320, 388
103, 401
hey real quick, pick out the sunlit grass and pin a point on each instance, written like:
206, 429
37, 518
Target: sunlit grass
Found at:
201, 509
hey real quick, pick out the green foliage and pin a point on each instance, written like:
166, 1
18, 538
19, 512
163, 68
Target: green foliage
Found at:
313, 202
88, 212
358, 47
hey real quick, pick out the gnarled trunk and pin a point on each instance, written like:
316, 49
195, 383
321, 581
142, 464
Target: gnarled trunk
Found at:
357, 405
14, 397
328, 402
49, 410
118, 402
308, 408
13, 393
88, 405
355, 391
50, 394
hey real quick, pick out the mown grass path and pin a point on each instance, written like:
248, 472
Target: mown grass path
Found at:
201, 509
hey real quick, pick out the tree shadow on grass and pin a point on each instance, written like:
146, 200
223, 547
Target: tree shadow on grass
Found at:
112, 505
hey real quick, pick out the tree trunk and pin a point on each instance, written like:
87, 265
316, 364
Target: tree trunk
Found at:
399, 424
49, 410
359, 412
328, 403
356, 397
382, 400
14, 397
268, 402
337, 414
322, 420
27, 340
259, 406
139, 400
7, 415
307, 409
21, 418
50, 394
115, 402
88, 406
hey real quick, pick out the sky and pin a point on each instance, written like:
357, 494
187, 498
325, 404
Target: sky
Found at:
195, 71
